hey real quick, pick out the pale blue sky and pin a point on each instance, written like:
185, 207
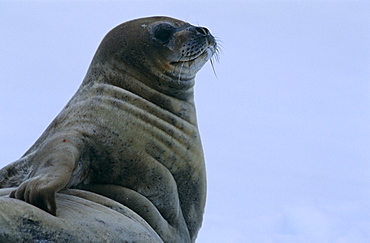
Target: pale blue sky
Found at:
285, 124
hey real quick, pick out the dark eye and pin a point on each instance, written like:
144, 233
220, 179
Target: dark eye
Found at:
163, 32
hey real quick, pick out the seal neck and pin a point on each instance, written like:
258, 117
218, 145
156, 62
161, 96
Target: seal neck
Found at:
164, 82
173, 98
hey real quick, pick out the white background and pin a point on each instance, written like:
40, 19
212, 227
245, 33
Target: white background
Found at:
285, 124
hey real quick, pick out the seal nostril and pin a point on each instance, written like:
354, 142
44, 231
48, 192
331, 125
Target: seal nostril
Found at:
199, 30
202, 30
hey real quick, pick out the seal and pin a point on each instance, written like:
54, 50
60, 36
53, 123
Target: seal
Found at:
130, 131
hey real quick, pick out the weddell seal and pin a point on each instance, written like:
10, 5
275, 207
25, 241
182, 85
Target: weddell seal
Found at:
130, 131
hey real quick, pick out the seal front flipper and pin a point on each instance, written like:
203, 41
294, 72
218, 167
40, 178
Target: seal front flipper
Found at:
52, 166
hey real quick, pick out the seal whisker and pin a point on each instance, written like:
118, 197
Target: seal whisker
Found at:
189, 72
218, 49
213, 68
181, 67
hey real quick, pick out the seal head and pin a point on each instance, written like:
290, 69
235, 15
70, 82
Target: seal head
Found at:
163, 52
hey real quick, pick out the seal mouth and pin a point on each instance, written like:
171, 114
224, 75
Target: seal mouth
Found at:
188, 63
189, 60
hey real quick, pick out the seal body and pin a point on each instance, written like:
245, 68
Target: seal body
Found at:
130, 131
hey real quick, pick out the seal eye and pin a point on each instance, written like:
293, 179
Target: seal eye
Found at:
163, 32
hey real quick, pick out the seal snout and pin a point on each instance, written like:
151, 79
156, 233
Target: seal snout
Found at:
197, 41
202, 32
